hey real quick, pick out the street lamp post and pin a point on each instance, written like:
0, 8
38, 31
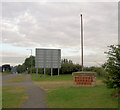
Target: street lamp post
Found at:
31, 58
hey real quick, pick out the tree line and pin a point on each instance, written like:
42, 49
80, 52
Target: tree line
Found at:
110, 70
67, 67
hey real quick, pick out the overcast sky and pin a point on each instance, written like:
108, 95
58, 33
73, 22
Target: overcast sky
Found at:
30, 25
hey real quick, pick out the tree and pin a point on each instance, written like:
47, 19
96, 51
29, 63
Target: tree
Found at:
27, 62
112, 66
21, 69
99, 70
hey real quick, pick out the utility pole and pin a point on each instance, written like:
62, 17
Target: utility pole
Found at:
31, 58
82, 41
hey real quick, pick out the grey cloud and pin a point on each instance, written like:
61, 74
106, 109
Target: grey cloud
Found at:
58, 25
12, 60
89, 60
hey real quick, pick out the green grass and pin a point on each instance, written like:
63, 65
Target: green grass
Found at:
3, 74
81, 97
16, 79
0, 97
56, 77
75, 97
49, 78
13, 96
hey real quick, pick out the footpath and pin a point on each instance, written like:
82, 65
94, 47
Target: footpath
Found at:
36, 95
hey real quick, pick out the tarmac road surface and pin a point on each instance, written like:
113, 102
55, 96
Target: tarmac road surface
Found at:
36, 95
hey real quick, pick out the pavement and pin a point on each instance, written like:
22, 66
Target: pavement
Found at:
36, 95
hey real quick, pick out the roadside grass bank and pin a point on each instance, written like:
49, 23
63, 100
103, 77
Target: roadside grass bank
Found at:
49, 83
13, 96
3, 74
52, 85
61, 77
49, 78
0, 97
81, 97
62, 94
16, 79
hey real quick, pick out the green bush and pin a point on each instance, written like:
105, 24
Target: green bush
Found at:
112, 66
99, 70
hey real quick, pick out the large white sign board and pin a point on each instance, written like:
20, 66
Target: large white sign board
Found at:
48, 58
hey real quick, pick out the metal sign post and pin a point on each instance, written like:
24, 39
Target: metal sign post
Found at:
44, 72
37, 72
58, 71
51, 71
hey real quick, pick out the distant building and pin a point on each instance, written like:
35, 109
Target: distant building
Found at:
6, 67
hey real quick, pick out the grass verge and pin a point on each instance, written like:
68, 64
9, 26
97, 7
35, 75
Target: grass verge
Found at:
48, 83
51, 85
81, 97
16, 79
62, 94
49, 78
3, 74
13, 96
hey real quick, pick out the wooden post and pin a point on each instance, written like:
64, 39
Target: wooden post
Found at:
82, 41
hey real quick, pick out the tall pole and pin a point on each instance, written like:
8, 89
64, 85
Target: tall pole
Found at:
82, 41
31, 58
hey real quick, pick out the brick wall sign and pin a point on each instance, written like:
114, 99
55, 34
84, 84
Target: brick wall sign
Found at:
84, 78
